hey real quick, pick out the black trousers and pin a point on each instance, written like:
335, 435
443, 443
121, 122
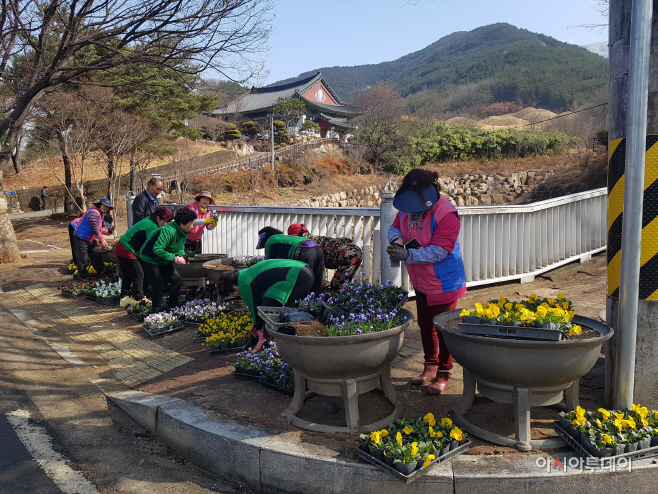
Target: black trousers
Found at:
132, 278
314, 257
157, 276
45, 201
74, 253
88, 251
195, 246
305, 282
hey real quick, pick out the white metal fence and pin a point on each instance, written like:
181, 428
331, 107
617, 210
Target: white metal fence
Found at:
498, 243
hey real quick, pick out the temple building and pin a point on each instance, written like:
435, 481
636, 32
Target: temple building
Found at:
322, 105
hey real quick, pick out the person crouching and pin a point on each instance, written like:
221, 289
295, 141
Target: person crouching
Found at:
162, 249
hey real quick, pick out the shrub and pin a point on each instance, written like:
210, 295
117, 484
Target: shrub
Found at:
251, 129
232, 133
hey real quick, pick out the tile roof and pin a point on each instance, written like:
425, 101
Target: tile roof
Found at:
266, 97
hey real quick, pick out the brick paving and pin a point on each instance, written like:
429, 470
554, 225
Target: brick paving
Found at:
177, 366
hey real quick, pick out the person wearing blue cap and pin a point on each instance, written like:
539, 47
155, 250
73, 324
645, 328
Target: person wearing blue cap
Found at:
425, 235
88, 234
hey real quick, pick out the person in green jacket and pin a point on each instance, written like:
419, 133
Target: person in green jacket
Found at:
270, 283
162, 249
280, 246
130, 243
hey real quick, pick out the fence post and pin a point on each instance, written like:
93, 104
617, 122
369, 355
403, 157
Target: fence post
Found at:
130, 197
390, 270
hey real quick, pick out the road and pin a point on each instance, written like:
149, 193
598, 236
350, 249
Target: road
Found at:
59, 435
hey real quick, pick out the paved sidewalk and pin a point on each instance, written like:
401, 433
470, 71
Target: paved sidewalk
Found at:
192, 402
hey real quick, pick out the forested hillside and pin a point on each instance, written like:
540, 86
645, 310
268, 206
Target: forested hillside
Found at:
494, 63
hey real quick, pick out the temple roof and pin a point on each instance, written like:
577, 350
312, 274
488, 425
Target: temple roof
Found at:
264, 98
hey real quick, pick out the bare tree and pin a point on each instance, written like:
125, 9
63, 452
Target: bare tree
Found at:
58, 43
45, 44
382, 119
184, 165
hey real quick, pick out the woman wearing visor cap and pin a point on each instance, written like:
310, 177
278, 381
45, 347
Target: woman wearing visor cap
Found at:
428, 225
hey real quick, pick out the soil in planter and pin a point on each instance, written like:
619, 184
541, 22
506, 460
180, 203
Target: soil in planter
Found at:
311, 328
220, 267
586, 333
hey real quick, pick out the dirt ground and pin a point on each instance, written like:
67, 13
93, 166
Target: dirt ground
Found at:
208, 381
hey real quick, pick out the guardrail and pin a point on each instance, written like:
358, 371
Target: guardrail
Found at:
500, 243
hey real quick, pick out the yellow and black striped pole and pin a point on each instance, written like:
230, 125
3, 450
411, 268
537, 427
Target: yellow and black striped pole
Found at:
649, 253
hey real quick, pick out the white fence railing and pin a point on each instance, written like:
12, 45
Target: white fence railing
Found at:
498, 243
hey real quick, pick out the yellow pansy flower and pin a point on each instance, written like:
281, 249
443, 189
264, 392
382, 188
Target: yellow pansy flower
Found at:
509, 306
446, 422
598, 423
541, 311
465, 312
604, 413
414, 449
552, 301
532, 298
383, 433
398, 438
407, 430
438, 434
456, 434
375, 438
428, 460
429, 419
607, 439
560, 296
565, 305
575, 330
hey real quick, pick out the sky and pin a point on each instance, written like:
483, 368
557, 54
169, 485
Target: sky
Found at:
309, 34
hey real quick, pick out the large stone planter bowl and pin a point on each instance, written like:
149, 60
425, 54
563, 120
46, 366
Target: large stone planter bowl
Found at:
342, 357
109, 256
342, 366
524, 373
525, 362
214, 274
197, 266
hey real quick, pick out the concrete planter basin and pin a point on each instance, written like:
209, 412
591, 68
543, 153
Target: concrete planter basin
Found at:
214, 274
109, 256
342, 366
524, 373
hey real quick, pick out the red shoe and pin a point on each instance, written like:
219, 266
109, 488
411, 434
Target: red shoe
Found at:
440, 383
429, 373
261, 341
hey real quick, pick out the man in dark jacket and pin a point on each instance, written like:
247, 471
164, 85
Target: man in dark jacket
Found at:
147, 202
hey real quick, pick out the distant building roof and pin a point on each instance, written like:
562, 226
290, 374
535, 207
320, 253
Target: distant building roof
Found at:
264, 98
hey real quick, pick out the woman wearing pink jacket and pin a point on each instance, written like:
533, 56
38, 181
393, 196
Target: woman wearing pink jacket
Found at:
204, 220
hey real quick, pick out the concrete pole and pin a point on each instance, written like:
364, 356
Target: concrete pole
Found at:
632, 356
390, 270
272, 138
130, 197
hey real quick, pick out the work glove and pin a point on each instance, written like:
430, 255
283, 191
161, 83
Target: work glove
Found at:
397, 253
180, 260
212, 221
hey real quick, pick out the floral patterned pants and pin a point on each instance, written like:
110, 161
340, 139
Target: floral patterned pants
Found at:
340, 254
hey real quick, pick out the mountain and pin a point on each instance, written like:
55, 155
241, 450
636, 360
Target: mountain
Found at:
499, 62
598, 48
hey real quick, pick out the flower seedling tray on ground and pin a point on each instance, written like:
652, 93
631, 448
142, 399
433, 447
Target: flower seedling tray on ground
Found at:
201, 339
108, 301
582, 451
516, 332
71, 294
192, 324
285, 391
136, 317
172, 329
247, 377
364, 453
221, 351
91, 297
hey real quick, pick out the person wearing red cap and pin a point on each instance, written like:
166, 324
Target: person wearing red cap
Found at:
425, 235
340, 254
204, 220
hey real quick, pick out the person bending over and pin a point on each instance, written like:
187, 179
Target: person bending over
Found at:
340, 253
130, 243
270, 283
162, 249
280, 246
87, 236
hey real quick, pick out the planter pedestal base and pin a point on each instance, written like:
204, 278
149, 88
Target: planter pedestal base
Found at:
523, 398
349, 389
